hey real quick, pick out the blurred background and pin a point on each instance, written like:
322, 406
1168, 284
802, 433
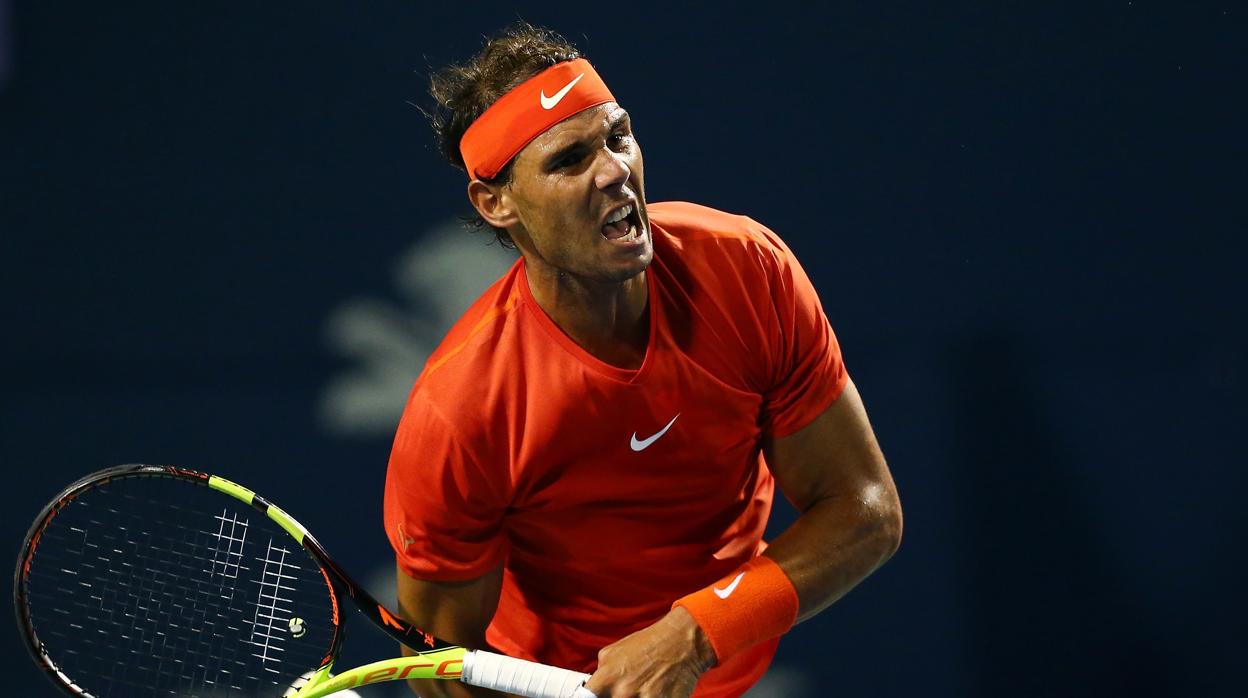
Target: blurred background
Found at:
228, 241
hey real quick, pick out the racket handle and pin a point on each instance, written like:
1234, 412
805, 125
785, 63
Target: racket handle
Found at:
525, 678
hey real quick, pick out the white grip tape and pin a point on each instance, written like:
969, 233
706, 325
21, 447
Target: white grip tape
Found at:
511, 675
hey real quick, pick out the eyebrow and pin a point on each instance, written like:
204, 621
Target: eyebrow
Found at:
565, 150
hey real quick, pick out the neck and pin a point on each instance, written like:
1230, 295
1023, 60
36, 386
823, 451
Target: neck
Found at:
607, 319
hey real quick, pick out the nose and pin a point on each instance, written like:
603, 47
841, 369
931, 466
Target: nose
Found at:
612, 170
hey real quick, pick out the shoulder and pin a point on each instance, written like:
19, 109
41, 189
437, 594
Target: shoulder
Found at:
701, 235
469, 355
693, 222
451, 412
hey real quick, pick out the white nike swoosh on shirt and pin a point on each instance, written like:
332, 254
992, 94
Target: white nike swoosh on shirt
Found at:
642, 444
727, 591
550, 102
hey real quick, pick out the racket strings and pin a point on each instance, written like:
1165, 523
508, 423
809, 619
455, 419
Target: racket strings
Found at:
273, 608
176, 592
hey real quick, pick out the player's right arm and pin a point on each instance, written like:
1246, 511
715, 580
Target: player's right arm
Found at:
457, 612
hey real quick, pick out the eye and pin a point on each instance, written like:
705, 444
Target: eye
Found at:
568, 159
620, 139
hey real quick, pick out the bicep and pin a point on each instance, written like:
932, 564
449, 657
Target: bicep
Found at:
457, 612
834, 456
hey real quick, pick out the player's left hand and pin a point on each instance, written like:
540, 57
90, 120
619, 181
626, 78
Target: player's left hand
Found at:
664, 660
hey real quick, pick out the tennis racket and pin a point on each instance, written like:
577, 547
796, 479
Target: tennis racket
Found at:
141, 581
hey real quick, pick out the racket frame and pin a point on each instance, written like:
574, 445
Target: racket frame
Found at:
435, 659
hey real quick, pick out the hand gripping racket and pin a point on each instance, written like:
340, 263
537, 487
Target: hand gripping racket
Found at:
141, 581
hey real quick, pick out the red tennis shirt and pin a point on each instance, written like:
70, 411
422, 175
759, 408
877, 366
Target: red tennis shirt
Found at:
607, 493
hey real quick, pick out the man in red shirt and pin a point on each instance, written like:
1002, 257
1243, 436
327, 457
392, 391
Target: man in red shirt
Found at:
585, 467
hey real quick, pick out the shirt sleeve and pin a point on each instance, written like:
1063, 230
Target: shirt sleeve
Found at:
443, 511
807, 373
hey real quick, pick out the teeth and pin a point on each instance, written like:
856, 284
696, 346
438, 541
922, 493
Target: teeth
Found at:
620, 214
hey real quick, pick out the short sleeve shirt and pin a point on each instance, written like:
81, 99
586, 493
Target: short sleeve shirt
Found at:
607, 493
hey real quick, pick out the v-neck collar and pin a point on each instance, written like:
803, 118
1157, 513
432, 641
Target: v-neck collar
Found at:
624, 375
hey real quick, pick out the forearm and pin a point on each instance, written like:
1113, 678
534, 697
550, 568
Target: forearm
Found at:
456, 611
836, 543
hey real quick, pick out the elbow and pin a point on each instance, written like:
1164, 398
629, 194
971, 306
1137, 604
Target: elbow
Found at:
892, 529
884, 519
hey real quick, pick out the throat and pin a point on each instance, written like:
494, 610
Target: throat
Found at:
611, 324
626, 352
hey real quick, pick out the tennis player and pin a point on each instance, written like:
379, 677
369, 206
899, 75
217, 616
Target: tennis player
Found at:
585, 467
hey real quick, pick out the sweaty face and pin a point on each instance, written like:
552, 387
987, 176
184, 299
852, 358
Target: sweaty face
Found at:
578, 193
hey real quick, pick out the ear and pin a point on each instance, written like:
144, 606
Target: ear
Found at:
493, 203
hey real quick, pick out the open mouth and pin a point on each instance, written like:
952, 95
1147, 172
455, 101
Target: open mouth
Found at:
623, 225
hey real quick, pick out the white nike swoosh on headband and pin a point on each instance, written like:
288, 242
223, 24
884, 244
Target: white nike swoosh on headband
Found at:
550, 102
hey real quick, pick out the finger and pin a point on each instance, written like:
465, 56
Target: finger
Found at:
596, 686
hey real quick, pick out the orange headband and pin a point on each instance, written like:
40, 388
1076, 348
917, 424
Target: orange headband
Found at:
526, 112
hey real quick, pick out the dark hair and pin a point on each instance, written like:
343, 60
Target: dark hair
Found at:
464, 91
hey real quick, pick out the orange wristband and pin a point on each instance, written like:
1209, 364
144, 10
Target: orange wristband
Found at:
755, 602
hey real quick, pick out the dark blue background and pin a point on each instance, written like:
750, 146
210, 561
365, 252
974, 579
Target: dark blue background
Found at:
1026, 222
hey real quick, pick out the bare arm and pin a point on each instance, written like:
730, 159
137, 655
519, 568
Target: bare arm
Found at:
850, 521
457, 612
849, 524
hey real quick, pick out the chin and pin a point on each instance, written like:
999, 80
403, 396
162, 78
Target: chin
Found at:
633, 267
